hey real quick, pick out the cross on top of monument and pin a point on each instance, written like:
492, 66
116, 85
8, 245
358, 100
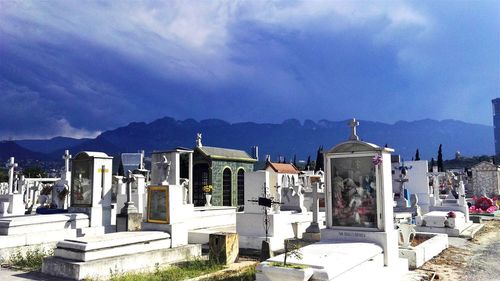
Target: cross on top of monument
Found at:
11, 164
198, 140
353, 124
66, 158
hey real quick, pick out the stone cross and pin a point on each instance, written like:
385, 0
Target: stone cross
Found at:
198, 140
66, 158
103, 172
164, 165
129, 205
314, 227
11, 165
353, 124
277, 207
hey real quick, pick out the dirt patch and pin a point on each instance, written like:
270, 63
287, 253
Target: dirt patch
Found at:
475, 259
419, 239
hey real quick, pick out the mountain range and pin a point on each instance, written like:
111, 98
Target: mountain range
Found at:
287, 139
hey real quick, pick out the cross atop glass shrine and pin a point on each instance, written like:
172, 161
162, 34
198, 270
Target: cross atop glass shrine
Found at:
353, 124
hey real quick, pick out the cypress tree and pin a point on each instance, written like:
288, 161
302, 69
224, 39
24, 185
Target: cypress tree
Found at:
319, 160
308, 163
440, 158
295, 160
432, 164
417, 155
121, 172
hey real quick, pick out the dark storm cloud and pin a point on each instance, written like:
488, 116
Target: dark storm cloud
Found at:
77, 68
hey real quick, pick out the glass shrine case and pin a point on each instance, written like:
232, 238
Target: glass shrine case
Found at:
81, 182
354, 194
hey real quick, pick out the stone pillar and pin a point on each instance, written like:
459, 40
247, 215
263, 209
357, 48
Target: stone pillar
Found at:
190, 197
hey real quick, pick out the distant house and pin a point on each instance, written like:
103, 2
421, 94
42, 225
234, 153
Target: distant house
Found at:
225, 170
486, 179
281, 175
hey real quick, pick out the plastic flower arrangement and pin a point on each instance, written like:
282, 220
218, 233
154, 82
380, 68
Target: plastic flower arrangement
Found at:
483, 205
207, 188
451, 214
377, 160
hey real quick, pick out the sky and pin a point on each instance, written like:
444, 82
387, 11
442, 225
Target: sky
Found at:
77, 68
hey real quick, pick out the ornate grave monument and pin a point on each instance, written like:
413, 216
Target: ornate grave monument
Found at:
91, 188
164, 242
359, 241
170, 205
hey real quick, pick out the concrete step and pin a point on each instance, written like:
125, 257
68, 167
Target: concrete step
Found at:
471, 231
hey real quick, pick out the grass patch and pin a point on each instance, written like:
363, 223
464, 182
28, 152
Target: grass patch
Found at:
31, 260
247, 274
181, 271
294, 266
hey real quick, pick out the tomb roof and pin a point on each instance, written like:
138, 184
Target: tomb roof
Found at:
283, 168
92, 154
357, 146
225, 154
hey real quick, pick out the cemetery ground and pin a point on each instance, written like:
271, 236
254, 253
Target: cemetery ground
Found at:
475, 259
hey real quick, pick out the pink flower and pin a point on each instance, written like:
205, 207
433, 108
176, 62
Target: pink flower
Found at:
495, 198
474, 197
491, 209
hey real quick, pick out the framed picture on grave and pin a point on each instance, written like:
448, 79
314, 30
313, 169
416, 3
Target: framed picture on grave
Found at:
81, 183
158, 204
354, 182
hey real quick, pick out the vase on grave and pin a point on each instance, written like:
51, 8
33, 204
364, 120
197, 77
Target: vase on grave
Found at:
208, 198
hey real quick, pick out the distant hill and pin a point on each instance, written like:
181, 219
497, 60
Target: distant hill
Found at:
285, 139
50, 145
11, 149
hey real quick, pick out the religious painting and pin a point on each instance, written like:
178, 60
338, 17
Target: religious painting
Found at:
81, 182
158, 204
354, 192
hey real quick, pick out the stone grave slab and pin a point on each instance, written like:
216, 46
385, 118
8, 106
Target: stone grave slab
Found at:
111, 245
39, 223
100, 269
343, 255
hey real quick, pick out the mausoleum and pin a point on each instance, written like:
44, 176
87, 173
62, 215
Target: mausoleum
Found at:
222, 168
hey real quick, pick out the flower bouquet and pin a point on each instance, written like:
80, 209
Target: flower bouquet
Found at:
208, 188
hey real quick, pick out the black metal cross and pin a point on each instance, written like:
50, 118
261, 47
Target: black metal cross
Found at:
266, 203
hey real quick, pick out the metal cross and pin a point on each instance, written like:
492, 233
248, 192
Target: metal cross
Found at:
266, 203
353, 124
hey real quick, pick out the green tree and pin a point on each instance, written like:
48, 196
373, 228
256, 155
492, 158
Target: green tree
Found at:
34, 172
417, 155
4, 176
432, 164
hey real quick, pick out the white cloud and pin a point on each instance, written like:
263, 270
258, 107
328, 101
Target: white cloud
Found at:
64, 128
